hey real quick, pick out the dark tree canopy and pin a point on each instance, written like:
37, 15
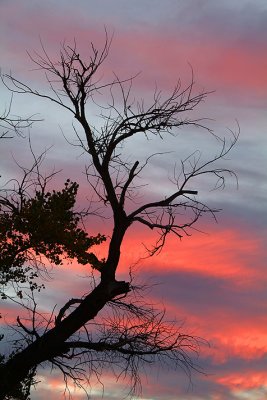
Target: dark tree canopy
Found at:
43, 224
75, 339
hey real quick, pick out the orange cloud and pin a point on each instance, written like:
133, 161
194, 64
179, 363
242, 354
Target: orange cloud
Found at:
227, 334
244, 381
222, 253
228, 344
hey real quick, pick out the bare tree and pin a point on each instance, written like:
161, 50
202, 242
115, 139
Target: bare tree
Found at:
77, 337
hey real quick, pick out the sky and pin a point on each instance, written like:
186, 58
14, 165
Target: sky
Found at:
215, 280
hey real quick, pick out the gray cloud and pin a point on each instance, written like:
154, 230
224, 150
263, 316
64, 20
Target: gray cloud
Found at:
205, 295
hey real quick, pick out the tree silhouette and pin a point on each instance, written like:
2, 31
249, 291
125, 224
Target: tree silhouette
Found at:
135, 333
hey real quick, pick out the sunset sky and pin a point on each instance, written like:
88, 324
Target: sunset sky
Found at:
216, 280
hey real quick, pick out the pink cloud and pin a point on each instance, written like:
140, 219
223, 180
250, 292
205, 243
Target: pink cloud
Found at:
244, 381
229, 255
229, 334
220, 253
162, 56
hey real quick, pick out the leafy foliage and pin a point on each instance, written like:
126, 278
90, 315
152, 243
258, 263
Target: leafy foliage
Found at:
22, 390
43, 225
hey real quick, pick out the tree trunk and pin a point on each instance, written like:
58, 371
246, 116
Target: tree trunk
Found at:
53, 343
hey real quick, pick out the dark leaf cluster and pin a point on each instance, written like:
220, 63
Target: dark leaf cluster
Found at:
43, 225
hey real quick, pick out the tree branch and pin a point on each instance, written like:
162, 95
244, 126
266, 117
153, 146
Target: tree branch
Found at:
161, 203
63, 310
